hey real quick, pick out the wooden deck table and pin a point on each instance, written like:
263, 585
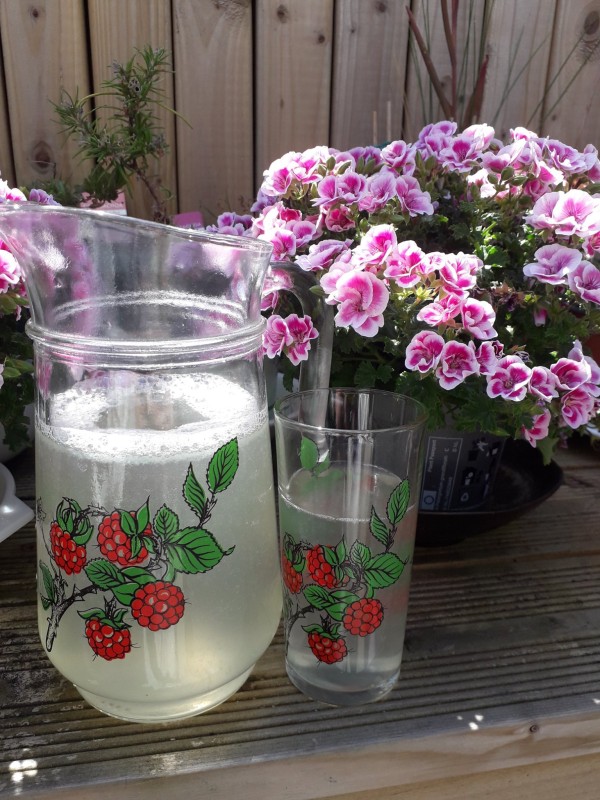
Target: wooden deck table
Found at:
499, 695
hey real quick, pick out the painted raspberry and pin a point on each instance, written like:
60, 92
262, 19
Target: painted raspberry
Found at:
116, 545
158, 605
363, 616
321, 571
106, 639
327, 649
68, 555
291, 577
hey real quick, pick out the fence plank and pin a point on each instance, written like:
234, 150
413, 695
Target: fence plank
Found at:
572, 112
293, 76
369, 72
44, 48
117, 29
421, 104
213, 74
7, 170
519, 47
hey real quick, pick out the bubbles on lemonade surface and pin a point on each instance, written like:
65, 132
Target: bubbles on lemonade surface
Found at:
158, 416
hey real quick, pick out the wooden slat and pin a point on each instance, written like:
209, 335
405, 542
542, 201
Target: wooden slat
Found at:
293, 77
213, 74
421, 104
571, 111
44, 51
369, 72
117, 29
519, 48
7, 170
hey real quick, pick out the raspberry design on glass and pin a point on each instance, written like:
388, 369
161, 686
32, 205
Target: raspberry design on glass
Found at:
70, 532
158, 605
107, 634
125, 537
292, 565
320, 568
337, 585
326, 646
140, 557
363, 616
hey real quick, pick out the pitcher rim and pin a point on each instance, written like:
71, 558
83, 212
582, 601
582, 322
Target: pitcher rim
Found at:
244, 242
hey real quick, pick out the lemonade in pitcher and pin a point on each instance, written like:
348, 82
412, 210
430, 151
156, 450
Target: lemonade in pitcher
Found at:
149, 548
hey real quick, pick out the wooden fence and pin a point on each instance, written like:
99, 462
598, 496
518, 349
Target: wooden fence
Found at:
256, 78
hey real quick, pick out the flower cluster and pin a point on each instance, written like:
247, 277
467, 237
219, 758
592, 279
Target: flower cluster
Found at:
16, 356
462, 270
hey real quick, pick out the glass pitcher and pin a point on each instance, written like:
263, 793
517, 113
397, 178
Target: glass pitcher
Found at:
158, 562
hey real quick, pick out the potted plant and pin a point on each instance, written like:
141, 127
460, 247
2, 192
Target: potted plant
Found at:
462, 270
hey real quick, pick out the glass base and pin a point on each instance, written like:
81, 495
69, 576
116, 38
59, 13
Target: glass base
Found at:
341, 696
151, 711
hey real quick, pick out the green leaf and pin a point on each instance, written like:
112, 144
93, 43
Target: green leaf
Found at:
317, 597
90, 613
125, 593
48, 582
128, 525
383, 570
309, 453
142, 517
193, 550
136, 545
193, 493
223, 466
334, 602
45, 602
398, 502
138, 575
379, 529
360, 554
166, 522
104, 574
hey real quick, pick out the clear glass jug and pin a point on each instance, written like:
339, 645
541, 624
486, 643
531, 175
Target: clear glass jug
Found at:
158, 571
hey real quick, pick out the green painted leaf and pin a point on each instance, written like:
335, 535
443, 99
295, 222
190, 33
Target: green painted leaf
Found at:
45, 602
48, 582
104, 574
398, 502
360, 554
90, 613
309, 453
317, 596
194, 494
136, 546
378, 528
383, 570
82, 533
330, 556
223, 466
313, 629
128, 525
193, 550
142, 517
138, 575
340, 551
166, 522
125, 593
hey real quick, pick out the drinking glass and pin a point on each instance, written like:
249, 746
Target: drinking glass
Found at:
349, 464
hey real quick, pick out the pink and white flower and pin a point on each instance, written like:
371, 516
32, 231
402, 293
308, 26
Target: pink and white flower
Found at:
361, 298
577, 408
553, 264
478, 318
509, 380
539, 428
423, 351
585, 281
456, 362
